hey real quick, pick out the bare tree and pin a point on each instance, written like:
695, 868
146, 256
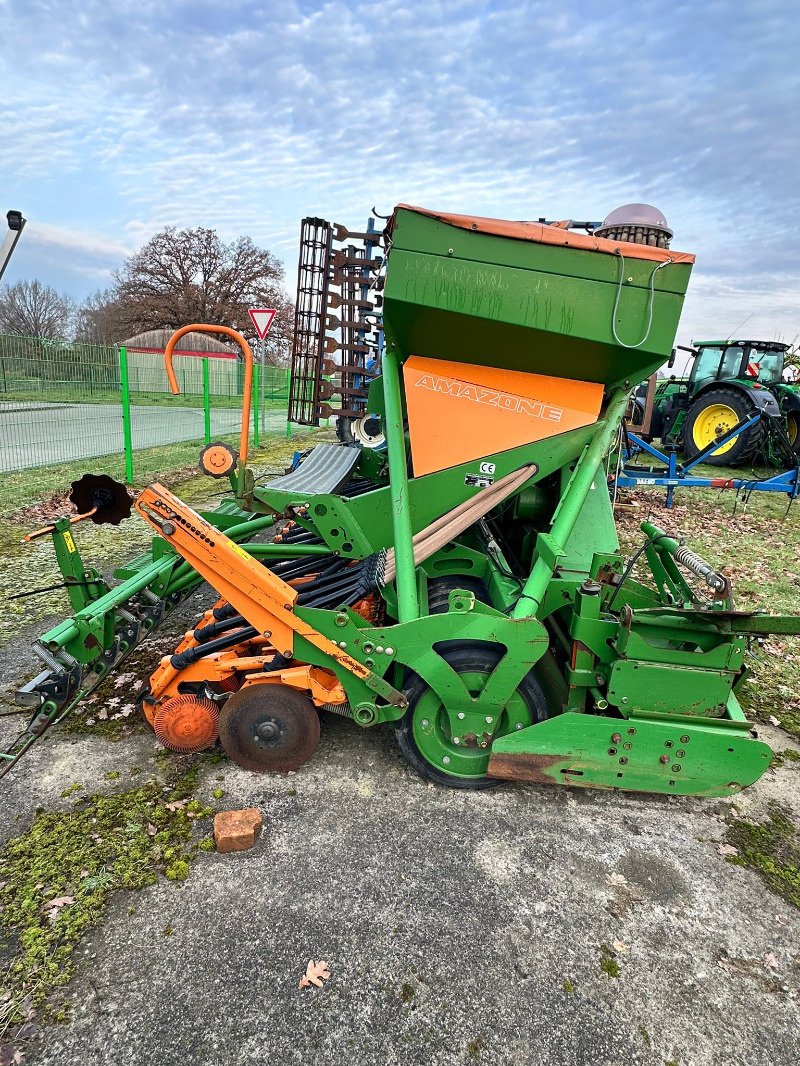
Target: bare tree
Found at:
31, 309
191, 275
101, 319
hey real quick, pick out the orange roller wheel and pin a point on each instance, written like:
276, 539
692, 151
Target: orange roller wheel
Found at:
218, 460
187, 723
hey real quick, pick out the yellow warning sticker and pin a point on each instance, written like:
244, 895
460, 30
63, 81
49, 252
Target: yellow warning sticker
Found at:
240, 551
70, 543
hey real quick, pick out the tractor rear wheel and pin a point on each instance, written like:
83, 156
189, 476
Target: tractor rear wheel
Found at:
793, 430
423, 734
714, 415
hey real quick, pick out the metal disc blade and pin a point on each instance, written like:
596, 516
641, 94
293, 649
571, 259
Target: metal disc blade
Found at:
109, 498
269, 728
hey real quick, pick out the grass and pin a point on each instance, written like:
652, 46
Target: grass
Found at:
138, 399
33, 566
23, 487
758, 547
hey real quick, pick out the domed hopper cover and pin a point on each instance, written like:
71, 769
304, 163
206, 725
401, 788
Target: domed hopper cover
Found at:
531, 297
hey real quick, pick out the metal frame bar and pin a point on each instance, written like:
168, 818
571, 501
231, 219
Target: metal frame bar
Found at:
550, 546
678, 474
406, 574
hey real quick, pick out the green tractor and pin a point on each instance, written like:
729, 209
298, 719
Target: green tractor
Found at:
730, 383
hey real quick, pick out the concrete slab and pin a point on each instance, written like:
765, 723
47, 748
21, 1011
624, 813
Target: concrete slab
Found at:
453, 923
35, 434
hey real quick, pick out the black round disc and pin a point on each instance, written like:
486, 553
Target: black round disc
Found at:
269, 728
110, 499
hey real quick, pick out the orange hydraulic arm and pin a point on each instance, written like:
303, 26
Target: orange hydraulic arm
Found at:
257, 594
248, 373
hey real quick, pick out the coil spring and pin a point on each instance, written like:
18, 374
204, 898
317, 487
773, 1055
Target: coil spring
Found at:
686, 557
343, 709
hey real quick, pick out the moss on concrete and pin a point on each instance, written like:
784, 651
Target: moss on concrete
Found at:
407, 992
608, 961
782, 758
772, 849
57, 878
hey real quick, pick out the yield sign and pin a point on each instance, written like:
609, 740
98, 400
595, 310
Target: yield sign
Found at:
262, 319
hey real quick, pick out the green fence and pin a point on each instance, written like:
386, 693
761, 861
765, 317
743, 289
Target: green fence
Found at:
62, 402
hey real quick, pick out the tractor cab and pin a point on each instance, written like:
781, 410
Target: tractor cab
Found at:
747, 362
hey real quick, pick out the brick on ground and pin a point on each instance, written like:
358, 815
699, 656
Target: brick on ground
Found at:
236, 830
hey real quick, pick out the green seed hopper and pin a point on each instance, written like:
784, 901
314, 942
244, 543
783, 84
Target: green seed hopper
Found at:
531, 297
465, 584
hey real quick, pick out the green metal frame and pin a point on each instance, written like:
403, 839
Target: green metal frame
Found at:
640, 679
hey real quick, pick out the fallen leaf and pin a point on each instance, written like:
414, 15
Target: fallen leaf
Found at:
771, 961
727, 849
151, 829
176, 805
773, 720
616, 879
60, 901
316, 973
102, 715
620, 947
53, 908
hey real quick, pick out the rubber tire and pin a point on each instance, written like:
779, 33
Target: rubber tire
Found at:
462, 659
635, 414
439, 589
794, 418
745, 447
344, 433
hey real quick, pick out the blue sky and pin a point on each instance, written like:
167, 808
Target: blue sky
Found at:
121, 117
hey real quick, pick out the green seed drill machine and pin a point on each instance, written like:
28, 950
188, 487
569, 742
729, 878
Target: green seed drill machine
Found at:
462, 584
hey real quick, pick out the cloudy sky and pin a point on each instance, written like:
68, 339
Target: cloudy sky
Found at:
122, 116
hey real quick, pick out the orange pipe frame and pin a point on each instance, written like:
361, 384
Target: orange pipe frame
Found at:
248, 373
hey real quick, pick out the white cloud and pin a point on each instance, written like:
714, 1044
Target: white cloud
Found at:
245, 118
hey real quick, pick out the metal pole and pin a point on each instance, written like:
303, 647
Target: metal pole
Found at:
256, 383
550, 546
127, 439
406, 577
206, 402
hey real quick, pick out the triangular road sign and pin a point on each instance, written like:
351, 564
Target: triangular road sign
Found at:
262, 319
